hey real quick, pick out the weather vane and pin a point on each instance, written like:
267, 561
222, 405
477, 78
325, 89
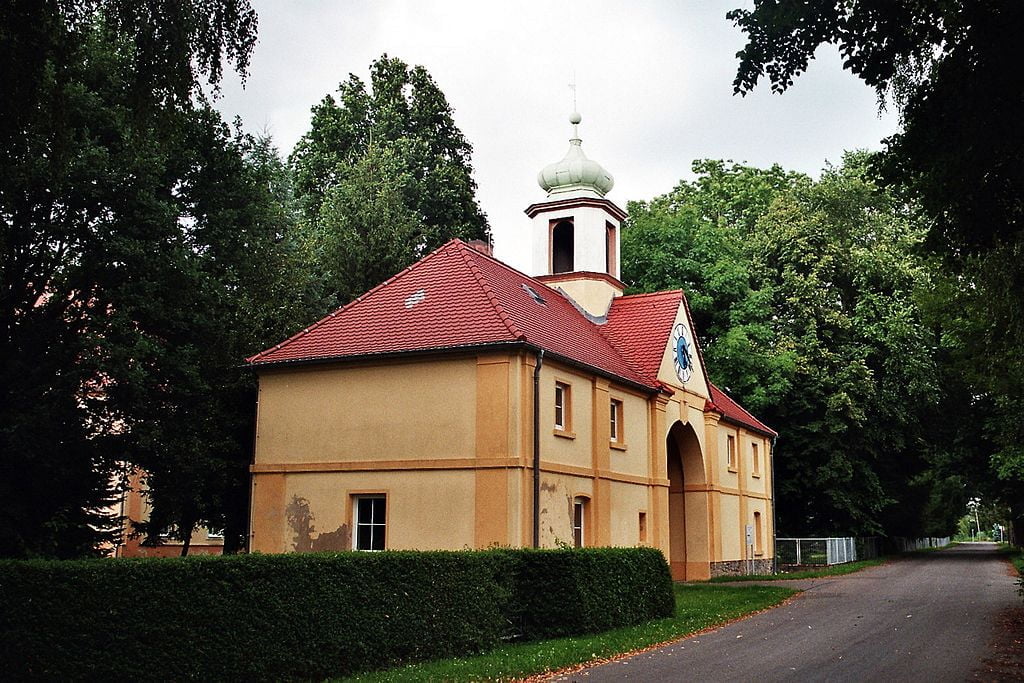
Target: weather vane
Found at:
574, 118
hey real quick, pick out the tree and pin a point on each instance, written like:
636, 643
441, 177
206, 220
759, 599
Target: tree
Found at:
950, 68
95, 96
805, 295
383, 177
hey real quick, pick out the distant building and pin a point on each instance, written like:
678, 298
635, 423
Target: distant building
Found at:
464, 404
135, 507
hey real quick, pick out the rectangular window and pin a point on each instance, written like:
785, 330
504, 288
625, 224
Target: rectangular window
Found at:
643, 527
756, 465
578, 511
563, 407
731, 452
610, 257
757, 534
615, 432
215, 533
371, 515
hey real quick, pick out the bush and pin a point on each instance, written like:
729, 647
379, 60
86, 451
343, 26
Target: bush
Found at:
308, 615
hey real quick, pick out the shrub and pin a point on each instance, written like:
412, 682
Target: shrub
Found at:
308, 615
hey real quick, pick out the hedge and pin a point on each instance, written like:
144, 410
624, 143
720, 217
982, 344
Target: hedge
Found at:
306, 616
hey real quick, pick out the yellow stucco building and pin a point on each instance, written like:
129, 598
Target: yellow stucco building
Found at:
464, 404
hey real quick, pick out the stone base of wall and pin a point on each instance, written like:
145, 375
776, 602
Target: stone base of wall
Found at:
738, 567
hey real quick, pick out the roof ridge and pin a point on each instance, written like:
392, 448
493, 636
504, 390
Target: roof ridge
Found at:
641, 295
345, 307
503, 315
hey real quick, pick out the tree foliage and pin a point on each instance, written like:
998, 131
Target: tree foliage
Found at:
951, 68
804, 293
140, 244
383, 176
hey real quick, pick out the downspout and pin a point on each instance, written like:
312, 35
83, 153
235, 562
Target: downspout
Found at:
775, 546
536, 448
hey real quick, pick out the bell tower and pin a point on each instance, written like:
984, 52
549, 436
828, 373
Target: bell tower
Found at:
575, 230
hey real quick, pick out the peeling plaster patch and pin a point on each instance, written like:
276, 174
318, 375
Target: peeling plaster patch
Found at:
300, 519
550, 488
339, 539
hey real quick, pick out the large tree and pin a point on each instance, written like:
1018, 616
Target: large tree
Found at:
951, 70
383, 176
805, 294
103, 140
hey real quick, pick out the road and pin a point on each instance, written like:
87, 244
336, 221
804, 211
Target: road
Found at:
928, 617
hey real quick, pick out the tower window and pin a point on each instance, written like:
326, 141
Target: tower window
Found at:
562, 247
609, 250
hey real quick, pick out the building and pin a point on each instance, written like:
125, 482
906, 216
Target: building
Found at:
134, 507
464, 404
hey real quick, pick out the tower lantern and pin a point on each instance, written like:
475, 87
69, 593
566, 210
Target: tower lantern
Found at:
575, 230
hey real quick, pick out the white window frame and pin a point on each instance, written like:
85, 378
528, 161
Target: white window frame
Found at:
615, 424
563, 406
376, 526
579, 522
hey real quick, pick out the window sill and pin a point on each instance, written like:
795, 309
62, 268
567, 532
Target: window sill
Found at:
759, 554
615, 445
755, 475
564, 434
733, 470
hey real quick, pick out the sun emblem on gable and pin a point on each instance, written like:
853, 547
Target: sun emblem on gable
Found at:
682, 356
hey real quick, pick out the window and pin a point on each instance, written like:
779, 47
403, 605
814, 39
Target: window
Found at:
578, 516
215, 533
609, 250
562, 247
371, 513
756, 469
563, 407
731, 452
643, 527
615, 426
757, 533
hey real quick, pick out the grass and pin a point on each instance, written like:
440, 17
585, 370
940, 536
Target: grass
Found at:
1014, 555
698, 606
833, 570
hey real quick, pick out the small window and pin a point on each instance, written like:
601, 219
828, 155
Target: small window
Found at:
563, 407
215, 533
643, 527
562, 247
371, 514
731, 452
609, 250
758, 548
615, 426
756, 461
578, 516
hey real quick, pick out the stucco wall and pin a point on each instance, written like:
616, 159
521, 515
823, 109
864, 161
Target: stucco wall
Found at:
397, 411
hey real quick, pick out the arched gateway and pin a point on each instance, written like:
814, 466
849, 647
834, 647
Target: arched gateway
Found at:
688, 526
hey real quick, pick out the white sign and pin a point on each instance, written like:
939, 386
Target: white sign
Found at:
750, 534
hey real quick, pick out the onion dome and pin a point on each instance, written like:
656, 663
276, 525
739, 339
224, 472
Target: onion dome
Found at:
575, 171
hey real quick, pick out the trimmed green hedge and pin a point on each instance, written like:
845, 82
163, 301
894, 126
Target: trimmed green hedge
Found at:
309, 616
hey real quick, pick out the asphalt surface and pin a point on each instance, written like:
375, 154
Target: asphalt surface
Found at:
928, 617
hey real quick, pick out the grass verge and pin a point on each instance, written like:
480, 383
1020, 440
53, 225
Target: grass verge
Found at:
834, 570
697, 607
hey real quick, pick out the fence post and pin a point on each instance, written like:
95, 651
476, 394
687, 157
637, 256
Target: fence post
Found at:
799, 562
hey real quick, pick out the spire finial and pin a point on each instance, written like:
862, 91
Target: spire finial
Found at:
575, 117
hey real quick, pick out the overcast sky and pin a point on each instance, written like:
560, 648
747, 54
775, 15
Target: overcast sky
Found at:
654, 87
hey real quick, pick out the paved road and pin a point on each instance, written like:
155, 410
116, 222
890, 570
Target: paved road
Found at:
923, 618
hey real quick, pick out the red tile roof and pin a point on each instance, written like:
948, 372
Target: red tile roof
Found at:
639, 326
733, 412
457, 297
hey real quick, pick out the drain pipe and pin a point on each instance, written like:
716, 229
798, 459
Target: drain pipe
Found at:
536, 448
775, 545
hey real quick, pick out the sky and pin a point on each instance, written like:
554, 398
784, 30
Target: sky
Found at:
653, 85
